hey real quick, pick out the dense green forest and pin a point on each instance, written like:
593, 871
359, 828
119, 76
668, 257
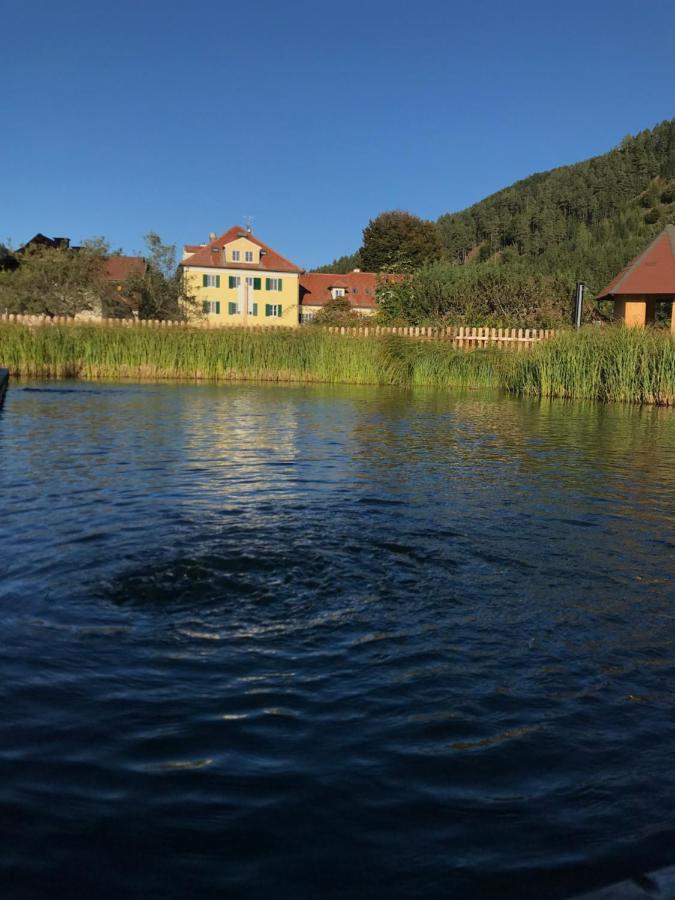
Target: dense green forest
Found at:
582, 221
587, 219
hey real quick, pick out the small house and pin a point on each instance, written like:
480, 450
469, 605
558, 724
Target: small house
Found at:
647, 280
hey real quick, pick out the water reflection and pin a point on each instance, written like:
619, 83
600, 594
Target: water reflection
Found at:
266, 639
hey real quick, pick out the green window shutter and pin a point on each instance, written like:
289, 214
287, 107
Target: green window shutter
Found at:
256, 284
268, 309
281, 284
218, 307
268, 282
217, 280
205, 306
255, 309
204, 280
279, 310
232, 309
232, 282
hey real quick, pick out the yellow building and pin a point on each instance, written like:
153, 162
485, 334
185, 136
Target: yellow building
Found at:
238, 280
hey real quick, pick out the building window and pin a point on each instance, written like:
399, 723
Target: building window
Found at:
252, 308
211, 306
248, 255
273, 284
233, 309
338, 292
233, 281
273, 309
211, 281
236, 256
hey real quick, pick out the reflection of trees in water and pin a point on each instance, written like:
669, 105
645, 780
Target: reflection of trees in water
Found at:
536, 433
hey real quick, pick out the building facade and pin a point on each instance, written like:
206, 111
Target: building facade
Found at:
359, 288
239, 280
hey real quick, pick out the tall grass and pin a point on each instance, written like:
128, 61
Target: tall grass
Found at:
624, 364
601, 364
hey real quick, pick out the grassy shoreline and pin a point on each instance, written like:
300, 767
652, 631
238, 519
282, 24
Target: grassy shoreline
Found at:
606, 364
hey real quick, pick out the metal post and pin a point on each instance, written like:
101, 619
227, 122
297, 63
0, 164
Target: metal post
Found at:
579, 304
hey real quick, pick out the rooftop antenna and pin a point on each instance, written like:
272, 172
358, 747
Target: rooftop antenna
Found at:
249, 223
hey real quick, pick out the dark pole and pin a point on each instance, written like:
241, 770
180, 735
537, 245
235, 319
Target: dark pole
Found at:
579, 304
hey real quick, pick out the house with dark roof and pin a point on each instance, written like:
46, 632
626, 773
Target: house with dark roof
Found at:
41, 240
239, 280
647, 280
359, 288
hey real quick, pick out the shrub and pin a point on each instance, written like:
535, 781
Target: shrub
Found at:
494, 295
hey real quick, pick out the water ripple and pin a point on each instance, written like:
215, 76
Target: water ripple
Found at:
338, 642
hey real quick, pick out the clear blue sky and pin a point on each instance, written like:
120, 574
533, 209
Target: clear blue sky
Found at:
124, 117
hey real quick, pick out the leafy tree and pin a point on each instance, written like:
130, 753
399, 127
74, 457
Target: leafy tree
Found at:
398, 241
162, 289
57, 281
649, 198
490, 294
338, 311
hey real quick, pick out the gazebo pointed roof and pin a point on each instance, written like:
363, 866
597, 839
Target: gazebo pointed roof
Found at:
652, 273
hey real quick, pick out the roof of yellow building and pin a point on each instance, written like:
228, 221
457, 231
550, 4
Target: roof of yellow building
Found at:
210, 255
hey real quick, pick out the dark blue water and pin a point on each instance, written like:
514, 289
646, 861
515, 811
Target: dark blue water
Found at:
304, 642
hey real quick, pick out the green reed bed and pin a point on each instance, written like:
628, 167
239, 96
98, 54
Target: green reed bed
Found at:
599, 364
91, 351
621, 364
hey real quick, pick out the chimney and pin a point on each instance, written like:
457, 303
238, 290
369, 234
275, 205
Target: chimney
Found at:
212, 235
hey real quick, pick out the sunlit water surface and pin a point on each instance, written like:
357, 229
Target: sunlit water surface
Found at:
298, 642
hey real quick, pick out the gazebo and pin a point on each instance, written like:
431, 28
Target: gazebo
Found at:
646, 281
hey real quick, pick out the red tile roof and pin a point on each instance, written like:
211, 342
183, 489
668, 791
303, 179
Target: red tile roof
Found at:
650, 273
119, 268
315, 287
210, 256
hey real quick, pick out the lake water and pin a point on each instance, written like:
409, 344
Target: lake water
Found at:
299, 642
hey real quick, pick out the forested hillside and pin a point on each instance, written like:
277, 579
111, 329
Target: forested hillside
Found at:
582, 221
342, 265
586, 219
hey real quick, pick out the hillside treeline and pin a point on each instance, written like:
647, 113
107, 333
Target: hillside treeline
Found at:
514, 257
587, 219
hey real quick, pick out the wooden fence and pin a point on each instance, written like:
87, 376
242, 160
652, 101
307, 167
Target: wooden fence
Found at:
460, 336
